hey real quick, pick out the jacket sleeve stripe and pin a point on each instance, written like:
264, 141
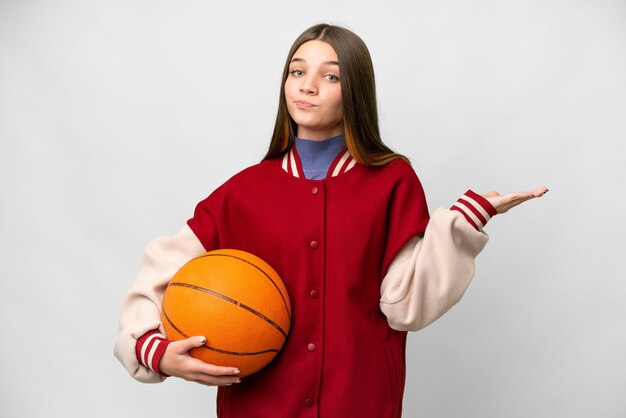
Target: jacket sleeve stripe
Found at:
481, 203
150, 358
475, 208
469, 205
145, 346
151, 347
467, 217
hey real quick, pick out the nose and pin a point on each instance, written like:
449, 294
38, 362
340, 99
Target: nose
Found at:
308, 85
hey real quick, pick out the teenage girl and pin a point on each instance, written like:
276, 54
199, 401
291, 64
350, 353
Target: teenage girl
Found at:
343, 220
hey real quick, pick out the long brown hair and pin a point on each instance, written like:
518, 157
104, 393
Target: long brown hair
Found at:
358, 93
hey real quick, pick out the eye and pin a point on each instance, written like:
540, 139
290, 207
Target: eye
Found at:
331, 77
296, 73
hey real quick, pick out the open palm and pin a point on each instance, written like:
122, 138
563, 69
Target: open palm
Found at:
503, 203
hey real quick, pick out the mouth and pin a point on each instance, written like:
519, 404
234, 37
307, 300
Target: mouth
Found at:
303, 104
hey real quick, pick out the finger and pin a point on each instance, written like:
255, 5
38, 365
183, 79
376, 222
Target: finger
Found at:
504, 203
209, 384
185, 345
532, 194
517, 198
215, 380
540, 191
212, 369
511, 200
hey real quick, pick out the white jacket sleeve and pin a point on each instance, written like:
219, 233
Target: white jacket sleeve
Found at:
430, 274
141, 309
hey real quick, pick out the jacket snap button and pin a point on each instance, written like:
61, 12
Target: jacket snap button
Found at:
308, 402
314, 244
314, 294
314, 190
311, 347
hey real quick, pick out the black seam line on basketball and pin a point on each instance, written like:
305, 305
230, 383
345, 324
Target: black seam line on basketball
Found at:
218, 350
234, 302
256, 267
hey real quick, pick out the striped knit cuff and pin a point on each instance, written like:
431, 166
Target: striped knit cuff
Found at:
476, 209
150, 348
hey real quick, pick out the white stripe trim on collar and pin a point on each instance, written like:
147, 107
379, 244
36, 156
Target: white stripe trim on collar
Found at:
285, 158
289, 160
340, 164
352, 164
294, 167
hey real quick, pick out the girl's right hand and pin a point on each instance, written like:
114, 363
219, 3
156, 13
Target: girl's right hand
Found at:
176, 361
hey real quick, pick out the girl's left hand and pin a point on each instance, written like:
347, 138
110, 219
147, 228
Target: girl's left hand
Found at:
503, 203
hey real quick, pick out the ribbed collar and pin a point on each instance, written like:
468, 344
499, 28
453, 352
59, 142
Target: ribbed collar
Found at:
342, 163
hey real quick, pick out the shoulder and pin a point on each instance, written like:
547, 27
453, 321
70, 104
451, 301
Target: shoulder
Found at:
250, 172
402, 179
234, 186
246, 179
398, 170
400, 166
253, 173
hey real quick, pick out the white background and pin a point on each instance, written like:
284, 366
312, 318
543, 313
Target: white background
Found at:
116, 117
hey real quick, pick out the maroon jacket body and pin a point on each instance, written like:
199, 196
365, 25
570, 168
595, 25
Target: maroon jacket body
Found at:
331, 241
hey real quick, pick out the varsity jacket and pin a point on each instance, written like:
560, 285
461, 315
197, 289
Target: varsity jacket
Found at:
362, 261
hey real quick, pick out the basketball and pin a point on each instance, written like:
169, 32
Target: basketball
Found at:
234, 299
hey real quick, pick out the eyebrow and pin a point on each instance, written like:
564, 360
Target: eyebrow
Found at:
303, 60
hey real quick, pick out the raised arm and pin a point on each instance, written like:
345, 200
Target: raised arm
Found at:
430, 274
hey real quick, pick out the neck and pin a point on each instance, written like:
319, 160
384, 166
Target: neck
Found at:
313, 135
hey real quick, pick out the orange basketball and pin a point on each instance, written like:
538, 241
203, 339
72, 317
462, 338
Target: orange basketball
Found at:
235, 300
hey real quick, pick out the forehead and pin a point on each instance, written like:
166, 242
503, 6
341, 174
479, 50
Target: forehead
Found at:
315, 51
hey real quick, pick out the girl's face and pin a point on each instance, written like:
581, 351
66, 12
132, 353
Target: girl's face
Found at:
313, 91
